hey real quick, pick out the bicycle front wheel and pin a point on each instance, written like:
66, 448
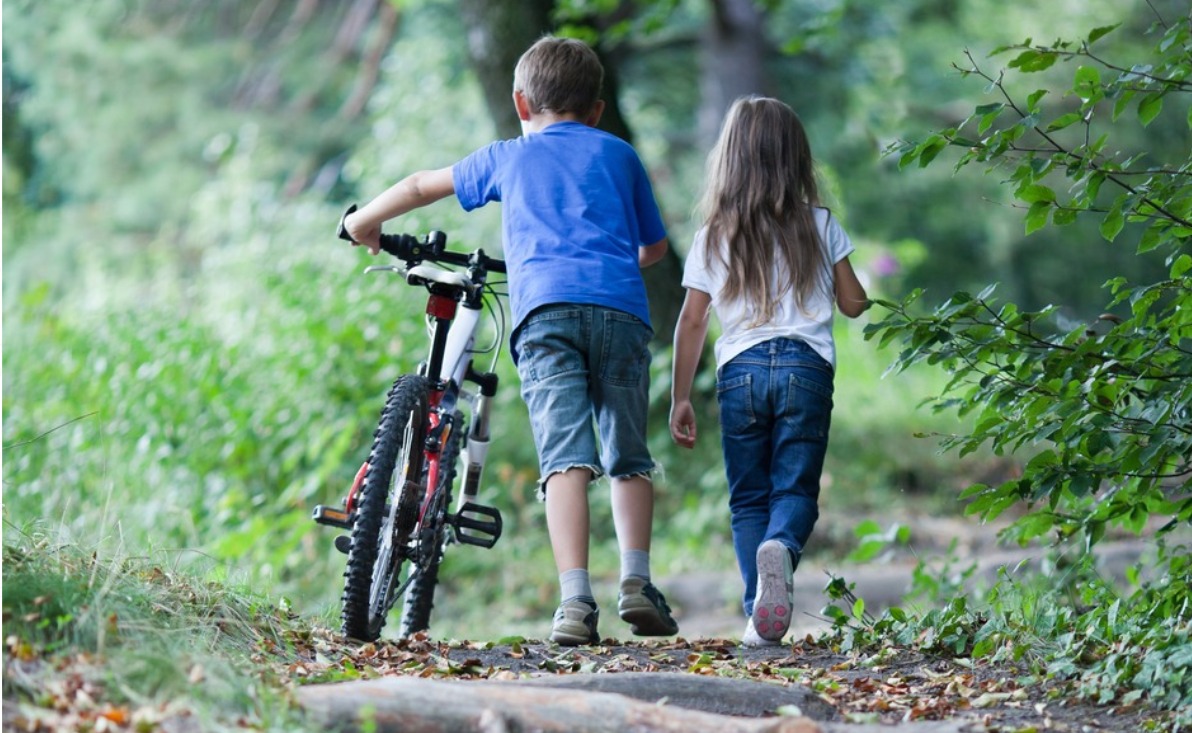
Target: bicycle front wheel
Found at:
387, 510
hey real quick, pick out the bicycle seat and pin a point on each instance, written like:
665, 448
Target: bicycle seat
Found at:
424, 274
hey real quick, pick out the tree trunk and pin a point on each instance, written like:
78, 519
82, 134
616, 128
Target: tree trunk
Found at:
731, 61
498, 32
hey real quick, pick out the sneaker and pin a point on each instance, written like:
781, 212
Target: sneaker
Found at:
752, 638
644, 608
575, 623
775, 591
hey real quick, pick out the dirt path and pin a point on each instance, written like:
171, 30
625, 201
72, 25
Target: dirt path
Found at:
835, 692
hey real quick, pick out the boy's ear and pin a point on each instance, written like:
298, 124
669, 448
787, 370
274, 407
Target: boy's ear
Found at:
521, 105
594, 116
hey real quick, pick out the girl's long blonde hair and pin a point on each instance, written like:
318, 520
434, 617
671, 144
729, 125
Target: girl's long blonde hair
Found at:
757, 207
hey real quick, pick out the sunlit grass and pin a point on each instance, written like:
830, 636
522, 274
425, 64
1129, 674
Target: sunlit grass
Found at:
143, 640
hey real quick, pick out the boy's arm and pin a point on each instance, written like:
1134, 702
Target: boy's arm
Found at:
413, 191
651, 253
851, 298
690, 333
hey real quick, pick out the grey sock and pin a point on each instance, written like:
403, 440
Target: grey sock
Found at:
635, 562
574, 583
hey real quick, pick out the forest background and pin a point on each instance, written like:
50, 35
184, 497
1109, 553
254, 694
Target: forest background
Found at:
192, 361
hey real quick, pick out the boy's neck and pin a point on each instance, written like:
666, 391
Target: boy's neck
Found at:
539, 122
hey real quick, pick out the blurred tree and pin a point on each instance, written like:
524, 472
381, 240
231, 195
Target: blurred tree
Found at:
732, 58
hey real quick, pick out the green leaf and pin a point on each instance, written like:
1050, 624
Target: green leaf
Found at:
1035, 193
1112, 225
1149, 108
1086, 76
1064, 215
930, 149
1100, 32
1123, 101
1063, 121
1032, 102
1181, 266
1036, 217
1031, 61
866, 528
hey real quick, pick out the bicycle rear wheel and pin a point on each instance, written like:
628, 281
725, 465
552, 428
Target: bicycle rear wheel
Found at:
387, 510
432, 538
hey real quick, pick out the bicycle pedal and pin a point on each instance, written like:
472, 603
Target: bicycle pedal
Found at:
332, 517
483, 530
343, 543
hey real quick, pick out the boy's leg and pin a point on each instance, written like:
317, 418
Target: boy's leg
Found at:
639, 603
554, 374
633, 515
567, 522
567, 518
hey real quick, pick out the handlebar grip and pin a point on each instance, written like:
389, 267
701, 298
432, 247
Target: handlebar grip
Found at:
402, 246
342, 231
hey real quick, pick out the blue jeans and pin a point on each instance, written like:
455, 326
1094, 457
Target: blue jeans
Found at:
775, 411
583, 362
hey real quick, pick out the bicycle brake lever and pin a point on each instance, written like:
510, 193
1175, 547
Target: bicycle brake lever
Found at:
385, 268
342, 231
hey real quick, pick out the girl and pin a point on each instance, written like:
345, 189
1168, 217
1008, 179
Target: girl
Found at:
770, 261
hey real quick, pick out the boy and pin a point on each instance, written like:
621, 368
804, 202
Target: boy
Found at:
579, 223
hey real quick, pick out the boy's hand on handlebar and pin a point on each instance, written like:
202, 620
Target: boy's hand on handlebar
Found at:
367, 236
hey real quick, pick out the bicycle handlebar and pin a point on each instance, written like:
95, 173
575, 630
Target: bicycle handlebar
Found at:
432, 248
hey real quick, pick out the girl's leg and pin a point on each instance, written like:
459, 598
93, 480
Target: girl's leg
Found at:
802, 401
745, 439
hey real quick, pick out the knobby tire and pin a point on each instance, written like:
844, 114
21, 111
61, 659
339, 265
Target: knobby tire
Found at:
387, 509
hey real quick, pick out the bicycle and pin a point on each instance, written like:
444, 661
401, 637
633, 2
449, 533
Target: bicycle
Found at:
398, 509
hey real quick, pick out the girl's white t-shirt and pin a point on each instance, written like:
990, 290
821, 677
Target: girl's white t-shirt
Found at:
812, 323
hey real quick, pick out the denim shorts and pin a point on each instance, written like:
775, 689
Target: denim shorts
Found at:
581, 364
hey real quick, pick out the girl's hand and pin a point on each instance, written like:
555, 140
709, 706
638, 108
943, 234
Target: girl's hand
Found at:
682, 424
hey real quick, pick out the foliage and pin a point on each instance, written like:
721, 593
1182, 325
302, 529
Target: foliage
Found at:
1107, 410
1064, 624
1104, 410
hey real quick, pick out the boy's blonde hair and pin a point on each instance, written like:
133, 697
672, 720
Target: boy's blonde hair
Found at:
559, 75
758, 208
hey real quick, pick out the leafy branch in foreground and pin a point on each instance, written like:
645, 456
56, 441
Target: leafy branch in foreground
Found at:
1102, 410
1105, 408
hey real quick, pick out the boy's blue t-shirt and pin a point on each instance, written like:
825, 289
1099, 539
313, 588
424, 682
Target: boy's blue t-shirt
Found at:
578, 204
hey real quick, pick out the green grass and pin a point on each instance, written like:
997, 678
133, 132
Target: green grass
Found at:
143, 639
